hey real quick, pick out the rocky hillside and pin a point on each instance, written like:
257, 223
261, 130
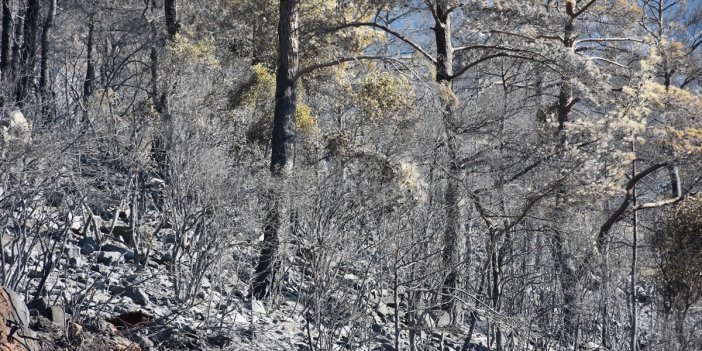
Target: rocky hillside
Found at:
100, 297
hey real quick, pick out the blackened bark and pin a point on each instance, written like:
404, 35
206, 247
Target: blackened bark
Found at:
565, 96
28, 51
452, 232
568, 279
282, 143
565, 262
90, 69
17, 41
48, 24
5, 42
171, 13
267, 265
675, 186
283, 139
444, 47
160, 143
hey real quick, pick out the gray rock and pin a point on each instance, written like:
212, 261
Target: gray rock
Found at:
99, 268
14, 129
240, 319
76, 262
120, 230
41, 305
20, 312
258, 307
108, 258
58, 317
9, 256
437, 318
128, 254
219, 340
54, 199
87, 245
170, 239
145, 342
72, 251
137, 295
382, 309
18, 316
121, 308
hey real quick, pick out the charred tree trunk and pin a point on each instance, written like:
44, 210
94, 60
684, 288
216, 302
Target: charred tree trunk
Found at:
6, 41
171, 13
90, 69
565, 262
161, 144
282, 143
43, 72
452, 232
28, 51
17, 42
633, 342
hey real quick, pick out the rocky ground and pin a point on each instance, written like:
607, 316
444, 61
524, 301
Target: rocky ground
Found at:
98, 297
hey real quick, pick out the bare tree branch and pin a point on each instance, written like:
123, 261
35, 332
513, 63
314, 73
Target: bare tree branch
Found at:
311, 68
616, 215
465, 68
385, 29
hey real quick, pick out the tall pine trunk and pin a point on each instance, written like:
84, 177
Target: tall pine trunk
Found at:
452, 231
565, 262
171, 14
282, 144
28, 51
6, 41
44, 64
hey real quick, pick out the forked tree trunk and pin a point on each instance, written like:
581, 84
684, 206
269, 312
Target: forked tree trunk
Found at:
282, 144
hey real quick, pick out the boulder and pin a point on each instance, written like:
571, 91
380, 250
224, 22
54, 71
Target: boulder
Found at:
58, 317
13, 312
87, 245
108, 257
14, 129
130, 320
258, 307
127, 253
382, 310
145, 342
41, 305
72, 251
76, 262
437, 319
137, 295
54, 199
119, 230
